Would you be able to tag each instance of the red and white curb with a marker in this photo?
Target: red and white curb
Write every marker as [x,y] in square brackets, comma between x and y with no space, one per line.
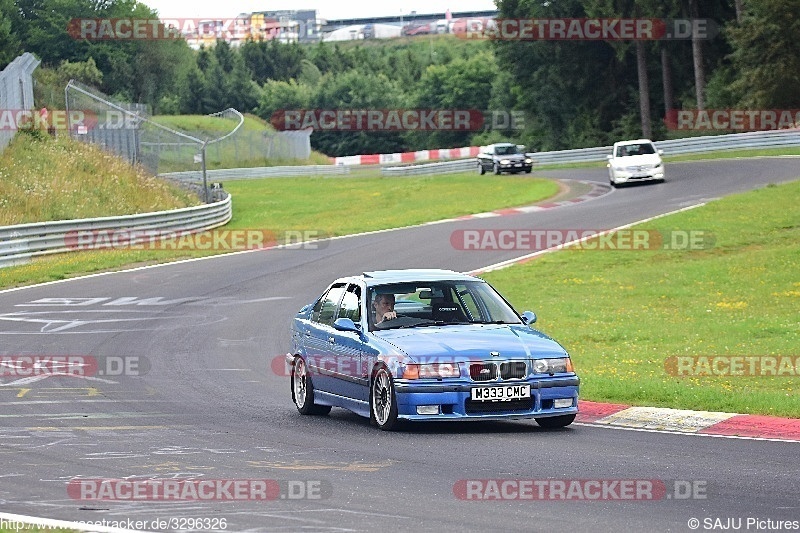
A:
[685,421]
[598,189]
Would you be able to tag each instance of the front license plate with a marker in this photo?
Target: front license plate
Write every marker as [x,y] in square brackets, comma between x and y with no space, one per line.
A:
[504,393]
[518,165]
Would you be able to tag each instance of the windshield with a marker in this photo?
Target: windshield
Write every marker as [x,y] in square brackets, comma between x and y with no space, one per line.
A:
[506,150]
[406,305]
[635,149]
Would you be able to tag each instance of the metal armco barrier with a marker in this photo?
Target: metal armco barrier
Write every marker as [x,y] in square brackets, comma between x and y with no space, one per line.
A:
[691,145]
[446,167]
[260,172]
[21,242]
[16,90]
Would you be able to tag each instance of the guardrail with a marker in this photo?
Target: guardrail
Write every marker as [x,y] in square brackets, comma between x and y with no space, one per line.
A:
[259,172]
[21,242]
[691,145]
[446,167]
[16,91]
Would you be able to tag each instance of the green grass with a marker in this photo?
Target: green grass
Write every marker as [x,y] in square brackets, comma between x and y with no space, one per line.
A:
[244,149]
[59,179]
[728,154]
[340,206]
[329,206]
[621,314]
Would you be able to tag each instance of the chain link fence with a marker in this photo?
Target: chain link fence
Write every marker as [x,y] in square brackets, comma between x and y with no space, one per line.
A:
[16,94]
[128,131]
[177,143]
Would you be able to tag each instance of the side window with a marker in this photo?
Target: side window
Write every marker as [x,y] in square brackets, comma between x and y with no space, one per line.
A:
[351,304]
[325,308]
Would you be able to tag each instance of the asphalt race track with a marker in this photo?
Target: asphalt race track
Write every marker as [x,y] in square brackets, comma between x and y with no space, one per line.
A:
[212,405]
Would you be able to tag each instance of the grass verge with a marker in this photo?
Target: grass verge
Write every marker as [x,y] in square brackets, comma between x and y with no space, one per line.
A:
[246,148]
[329,206]
[622,314]
[60,179]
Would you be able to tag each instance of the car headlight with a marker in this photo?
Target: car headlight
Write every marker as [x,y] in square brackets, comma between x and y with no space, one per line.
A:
[504,161]
[528,161]
[431,370]
[552,366]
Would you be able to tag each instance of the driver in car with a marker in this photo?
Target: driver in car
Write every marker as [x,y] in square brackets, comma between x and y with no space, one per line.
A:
[384,307]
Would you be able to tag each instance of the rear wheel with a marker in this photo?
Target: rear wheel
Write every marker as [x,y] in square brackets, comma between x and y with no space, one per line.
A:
[555,421]
[382,400]
[303,390]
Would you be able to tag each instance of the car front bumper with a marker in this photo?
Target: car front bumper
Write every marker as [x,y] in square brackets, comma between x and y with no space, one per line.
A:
[624,176]
[454,399]
[515,167]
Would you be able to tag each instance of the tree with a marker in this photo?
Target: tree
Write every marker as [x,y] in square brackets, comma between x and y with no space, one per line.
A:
[463,84]
[697,59]
[766,54]
[9,42]
[191,92]
[242,90]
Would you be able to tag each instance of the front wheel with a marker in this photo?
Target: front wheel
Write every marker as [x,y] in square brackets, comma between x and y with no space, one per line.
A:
[303,390]
[383,401]
[550,422]
[496,169]
[481,170]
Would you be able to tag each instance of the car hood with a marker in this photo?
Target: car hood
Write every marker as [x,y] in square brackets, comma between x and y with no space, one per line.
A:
[512,157]
[472,342]
[633,160]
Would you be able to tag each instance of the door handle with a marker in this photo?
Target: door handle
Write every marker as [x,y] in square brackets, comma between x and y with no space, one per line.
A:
[331,340]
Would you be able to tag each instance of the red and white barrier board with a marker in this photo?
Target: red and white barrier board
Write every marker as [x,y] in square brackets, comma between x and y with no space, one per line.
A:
[407,157]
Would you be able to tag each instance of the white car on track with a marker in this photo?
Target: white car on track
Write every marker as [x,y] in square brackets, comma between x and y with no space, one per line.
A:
[637,160]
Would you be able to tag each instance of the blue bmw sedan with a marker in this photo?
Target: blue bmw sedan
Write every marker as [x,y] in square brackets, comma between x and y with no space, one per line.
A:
[417,345]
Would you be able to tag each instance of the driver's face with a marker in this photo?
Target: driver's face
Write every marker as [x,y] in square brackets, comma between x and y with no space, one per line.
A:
[384,304]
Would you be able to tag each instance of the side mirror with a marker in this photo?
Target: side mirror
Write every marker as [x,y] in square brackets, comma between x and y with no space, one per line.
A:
[529,317]
[346,324]
[661,152]
[609,156]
